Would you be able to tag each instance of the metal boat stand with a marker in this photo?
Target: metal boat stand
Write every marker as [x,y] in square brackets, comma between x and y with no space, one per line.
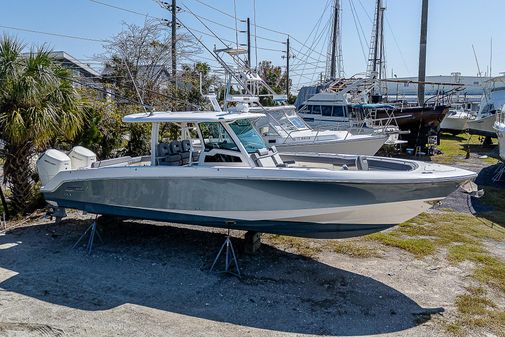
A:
[229,257]
[92,233]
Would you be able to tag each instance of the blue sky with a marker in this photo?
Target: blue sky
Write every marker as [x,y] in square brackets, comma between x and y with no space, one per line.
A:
[454,25]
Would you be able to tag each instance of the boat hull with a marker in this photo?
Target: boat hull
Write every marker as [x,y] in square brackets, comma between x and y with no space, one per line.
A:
[454,124]
[367,145]
[297,208]
[500,132]
[482,126]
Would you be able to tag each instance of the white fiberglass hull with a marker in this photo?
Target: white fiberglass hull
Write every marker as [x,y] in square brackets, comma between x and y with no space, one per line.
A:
[293,201]
[482,126]
[455,122]
[360,145]
[500,132]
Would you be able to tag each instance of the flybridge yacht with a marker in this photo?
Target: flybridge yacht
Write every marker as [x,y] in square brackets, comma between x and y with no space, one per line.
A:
[492,102]
[220,173]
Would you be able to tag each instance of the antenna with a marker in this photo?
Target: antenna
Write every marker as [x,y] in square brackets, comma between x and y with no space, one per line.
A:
[491,59]
[479,74]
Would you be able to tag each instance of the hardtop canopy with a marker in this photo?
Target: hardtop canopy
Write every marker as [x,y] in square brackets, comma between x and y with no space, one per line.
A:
[189,117]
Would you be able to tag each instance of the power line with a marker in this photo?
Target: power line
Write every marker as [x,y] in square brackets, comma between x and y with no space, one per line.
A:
[124,9]
[53,34]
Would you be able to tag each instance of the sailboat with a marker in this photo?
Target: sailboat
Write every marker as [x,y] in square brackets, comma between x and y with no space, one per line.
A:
[319,105]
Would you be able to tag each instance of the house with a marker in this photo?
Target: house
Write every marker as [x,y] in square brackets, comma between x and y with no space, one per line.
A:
[84,74]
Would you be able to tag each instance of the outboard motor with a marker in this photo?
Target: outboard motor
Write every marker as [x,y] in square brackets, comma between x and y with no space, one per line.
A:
[81,157]
[52,162]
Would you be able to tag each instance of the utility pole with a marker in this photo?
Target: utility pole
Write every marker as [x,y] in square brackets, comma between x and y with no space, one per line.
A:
[288,56]
[174,39]
[249,43]
[422,53]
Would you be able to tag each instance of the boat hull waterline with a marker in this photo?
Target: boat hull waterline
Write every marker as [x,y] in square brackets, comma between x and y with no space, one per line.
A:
[317,209]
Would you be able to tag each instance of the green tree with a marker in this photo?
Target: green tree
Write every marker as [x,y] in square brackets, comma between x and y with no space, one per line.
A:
[103,128]
[275,78]
[37,103]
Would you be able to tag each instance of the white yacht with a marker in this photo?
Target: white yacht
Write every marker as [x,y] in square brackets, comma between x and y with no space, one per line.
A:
[283,128]
[499,127]
[220,173]
[492,102]
[456,120]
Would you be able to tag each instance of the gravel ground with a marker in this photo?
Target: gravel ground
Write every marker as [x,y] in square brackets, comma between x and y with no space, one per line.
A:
[150,279]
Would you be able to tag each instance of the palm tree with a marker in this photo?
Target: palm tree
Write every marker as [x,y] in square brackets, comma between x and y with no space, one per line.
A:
[37,104]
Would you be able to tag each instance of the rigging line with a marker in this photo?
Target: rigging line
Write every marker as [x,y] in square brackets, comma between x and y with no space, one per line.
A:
[236,24]
[53,34]
[357,31]
[232,28]
[207,27]
[231,16]
[397,45]
[360,28]
[326,38]
[366,11]
[317,27]
[318,22]
[317,41]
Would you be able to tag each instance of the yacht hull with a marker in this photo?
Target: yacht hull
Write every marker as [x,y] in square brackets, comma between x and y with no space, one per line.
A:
[500,132]
[299,208]
[368,145]
[482,126]
[455,124]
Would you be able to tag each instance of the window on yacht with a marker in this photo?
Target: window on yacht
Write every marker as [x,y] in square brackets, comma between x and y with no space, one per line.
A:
[297,122]
[326,110]
[248,135]
[215,136]
[339,111]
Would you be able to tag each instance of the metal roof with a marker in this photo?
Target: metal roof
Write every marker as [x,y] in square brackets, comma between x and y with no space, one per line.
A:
[188,116]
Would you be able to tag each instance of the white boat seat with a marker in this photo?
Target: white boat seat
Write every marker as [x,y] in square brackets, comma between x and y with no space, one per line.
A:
[263,158]
[361,163]
[276,157]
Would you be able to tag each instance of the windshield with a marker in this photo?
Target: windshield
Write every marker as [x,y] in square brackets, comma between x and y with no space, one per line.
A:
[216,137]
[248,135]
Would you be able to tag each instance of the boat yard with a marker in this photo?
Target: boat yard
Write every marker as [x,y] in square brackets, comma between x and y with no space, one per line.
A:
[211,168]
[150,278]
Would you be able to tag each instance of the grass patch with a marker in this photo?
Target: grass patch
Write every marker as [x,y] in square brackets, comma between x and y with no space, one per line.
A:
[352,248]
[454,149]
[419,247]
[422,235]
[476,311]
[311,248]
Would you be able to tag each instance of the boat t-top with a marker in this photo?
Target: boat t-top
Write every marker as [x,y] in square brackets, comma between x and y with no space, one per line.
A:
[217,171]
[492,102]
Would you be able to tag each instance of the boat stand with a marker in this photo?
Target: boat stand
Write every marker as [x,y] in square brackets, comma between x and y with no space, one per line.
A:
[230,256]
[92,233]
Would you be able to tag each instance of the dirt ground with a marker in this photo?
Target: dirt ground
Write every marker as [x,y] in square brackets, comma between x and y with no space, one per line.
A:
[153,279]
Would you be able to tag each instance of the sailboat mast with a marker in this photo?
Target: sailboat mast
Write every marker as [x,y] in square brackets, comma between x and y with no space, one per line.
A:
[422,53]
[376,42]
[333,65]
